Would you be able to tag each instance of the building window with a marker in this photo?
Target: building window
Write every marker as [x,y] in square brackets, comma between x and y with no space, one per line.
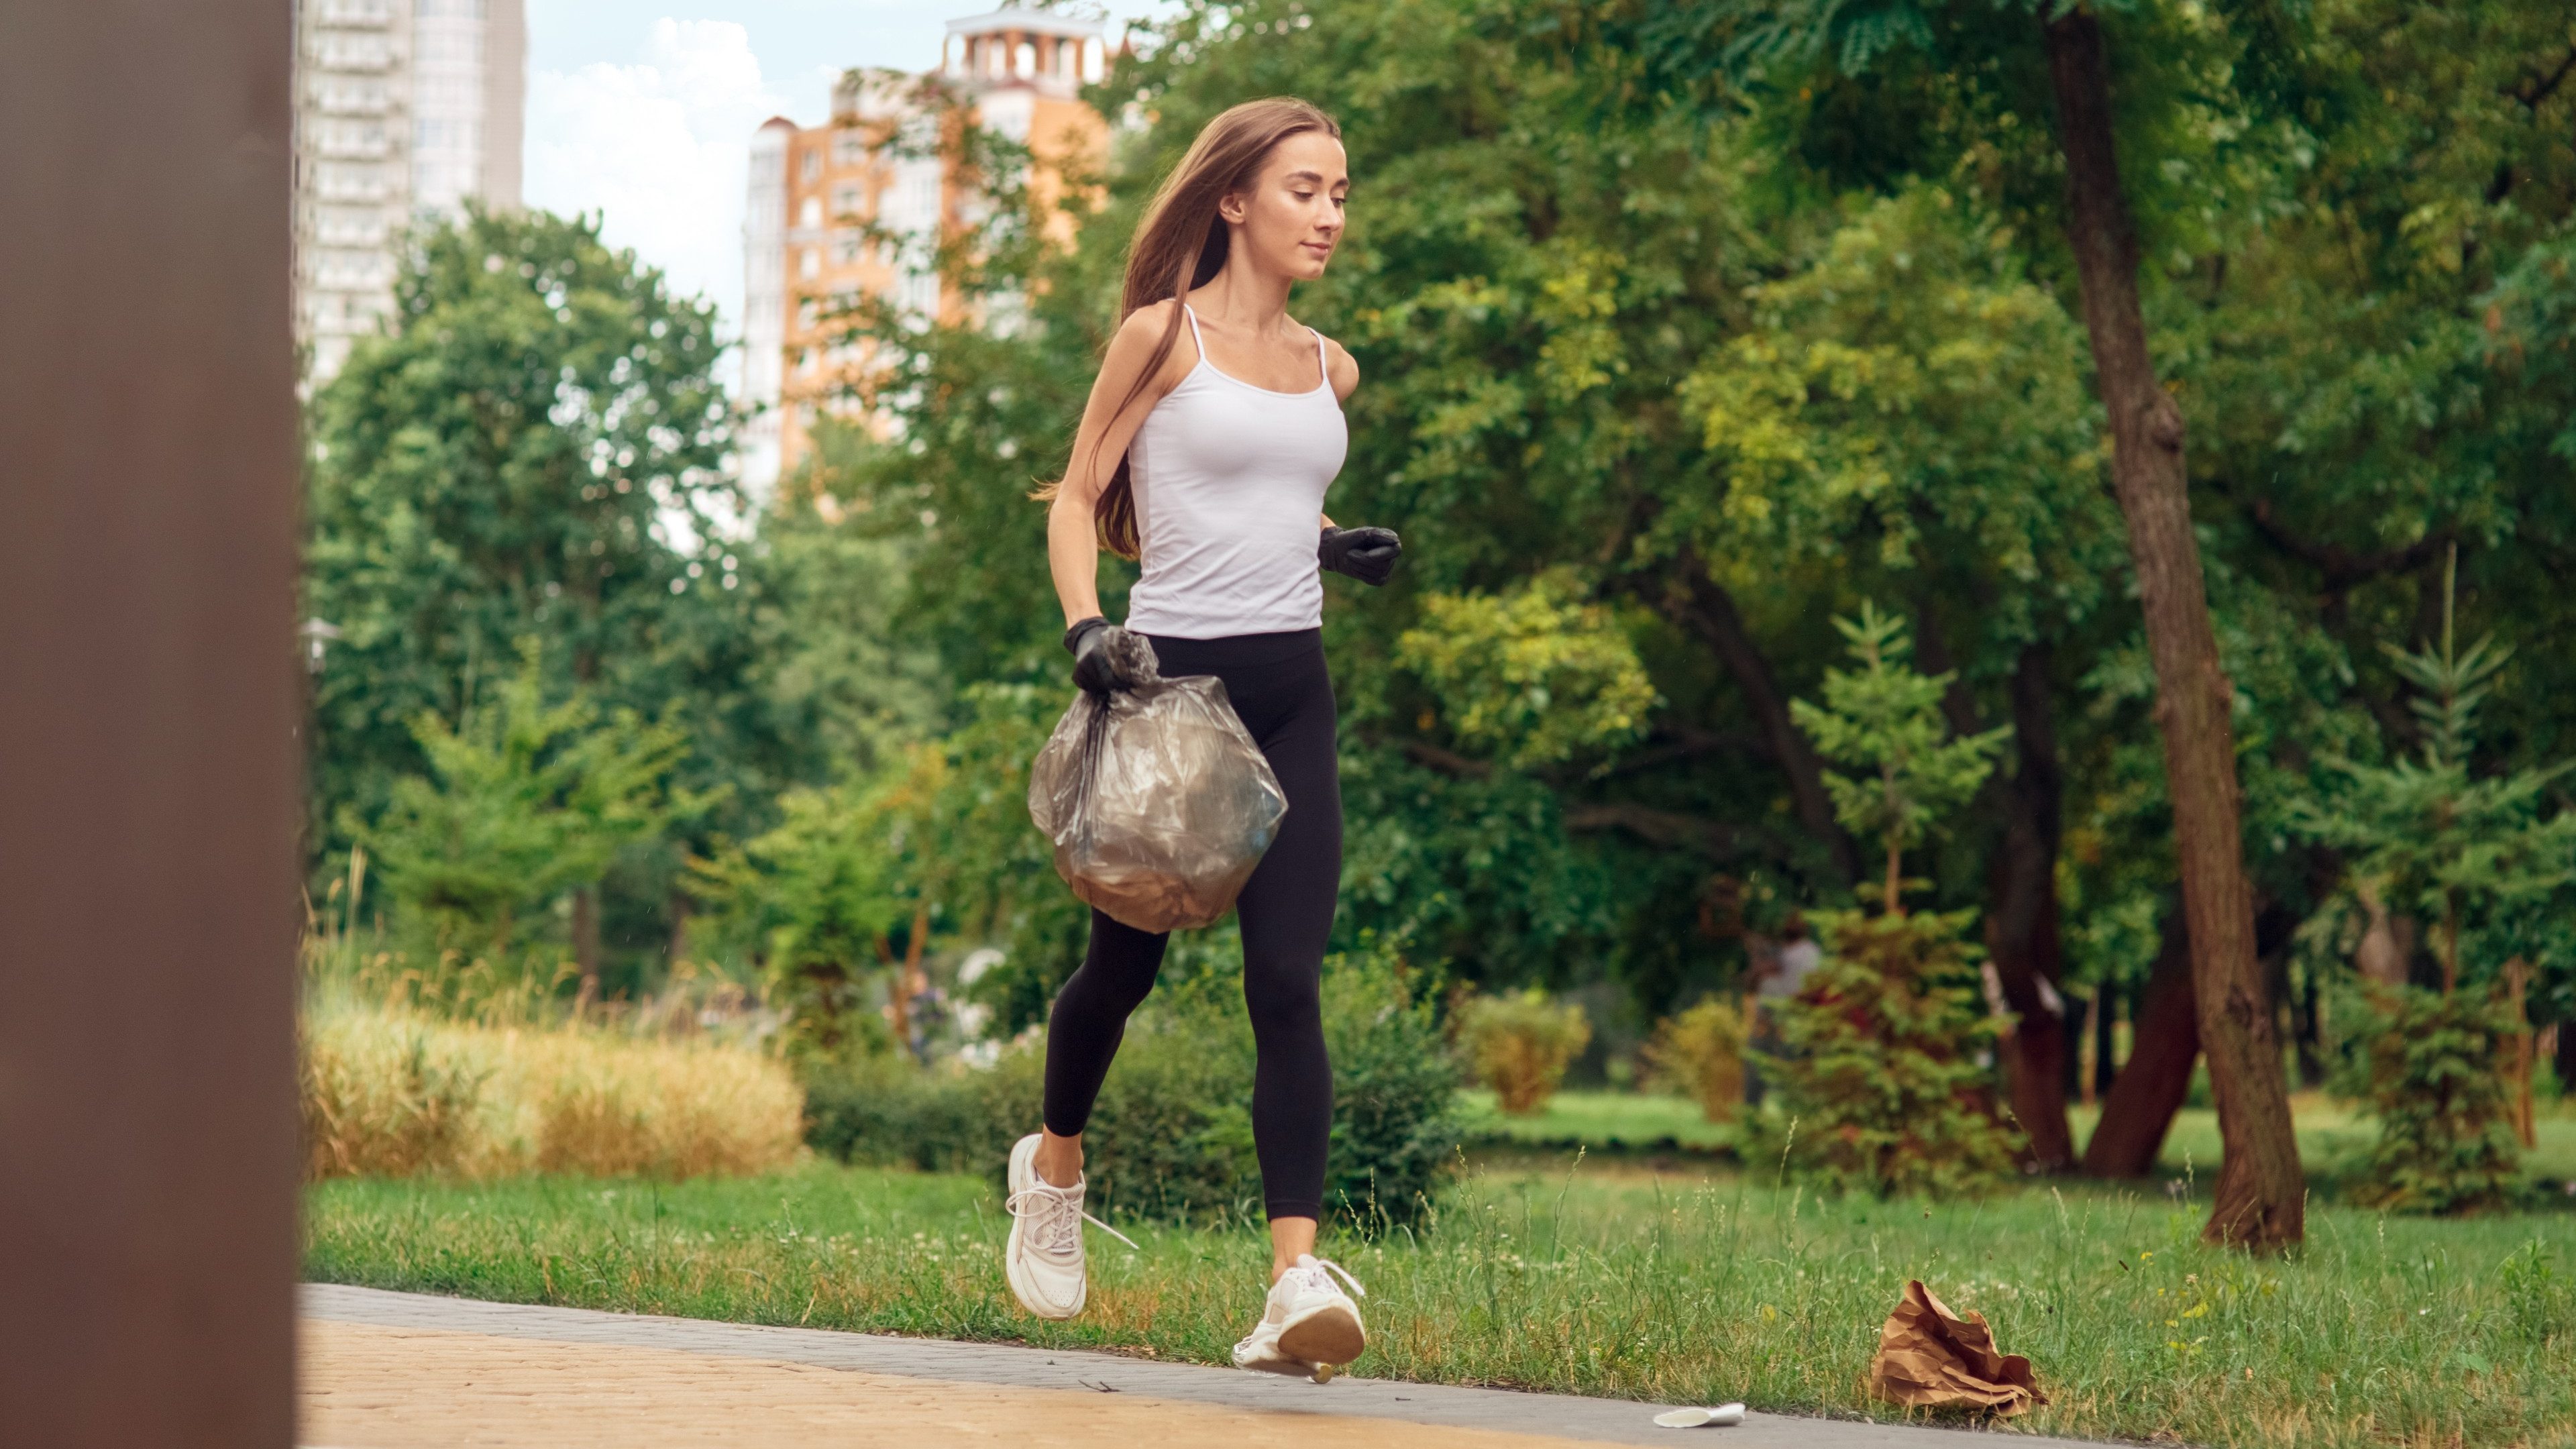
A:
[811,213]
[849,148]
[813,163]
[845,200]
[845,249]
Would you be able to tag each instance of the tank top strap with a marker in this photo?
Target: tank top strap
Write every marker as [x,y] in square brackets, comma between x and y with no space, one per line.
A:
[1323,365]
[1195,339]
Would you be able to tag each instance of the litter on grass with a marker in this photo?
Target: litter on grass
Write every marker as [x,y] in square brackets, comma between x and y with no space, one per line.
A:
[1724,1416]
[1931,1358]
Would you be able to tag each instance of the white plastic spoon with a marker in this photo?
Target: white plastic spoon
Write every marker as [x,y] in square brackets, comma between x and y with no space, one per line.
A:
[1724,1416]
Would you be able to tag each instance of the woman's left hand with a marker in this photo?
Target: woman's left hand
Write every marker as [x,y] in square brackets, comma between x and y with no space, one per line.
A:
[1366,554]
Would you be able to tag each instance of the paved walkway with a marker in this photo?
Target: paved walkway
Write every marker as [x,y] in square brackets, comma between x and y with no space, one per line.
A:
[410,1371]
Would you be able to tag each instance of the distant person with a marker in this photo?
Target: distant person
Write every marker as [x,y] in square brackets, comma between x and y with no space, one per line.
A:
[1780,971]
[1211,435]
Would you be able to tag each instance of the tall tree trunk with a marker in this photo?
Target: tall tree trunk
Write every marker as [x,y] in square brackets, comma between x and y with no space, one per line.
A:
[2106,1039]
[679,907]
[585,940]
[1708,610]
[2021,919]
[2139,1105]
[2261,1197]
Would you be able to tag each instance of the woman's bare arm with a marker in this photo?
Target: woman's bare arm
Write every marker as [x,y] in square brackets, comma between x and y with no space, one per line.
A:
[1073,541]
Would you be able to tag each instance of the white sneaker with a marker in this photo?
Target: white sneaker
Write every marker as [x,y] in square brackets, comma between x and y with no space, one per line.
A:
[1309,1326]
[1043,1259]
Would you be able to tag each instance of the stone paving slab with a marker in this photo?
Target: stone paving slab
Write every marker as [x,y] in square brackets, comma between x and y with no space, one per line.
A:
[1099,1375]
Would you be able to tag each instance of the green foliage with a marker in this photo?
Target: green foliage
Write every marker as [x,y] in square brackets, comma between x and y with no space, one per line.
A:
[524,801]
[1533,676]
[1520,1043]
[2477,860]
[815,895]
[2476,857]
[1171,1134]
[2429,1070]
[1885,718]
[936,842]
[1880,1085]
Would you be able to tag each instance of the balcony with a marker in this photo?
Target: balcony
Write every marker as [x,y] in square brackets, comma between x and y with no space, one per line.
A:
[351,12]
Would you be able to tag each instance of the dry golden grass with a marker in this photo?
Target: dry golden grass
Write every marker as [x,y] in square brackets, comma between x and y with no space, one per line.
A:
[392,1094]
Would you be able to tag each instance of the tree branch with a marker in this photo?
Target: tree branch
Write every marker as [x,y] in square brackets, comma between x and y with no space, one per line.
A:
[1695,601]
[1659,827]
[1447,762]
[2541,88]
[2342,567]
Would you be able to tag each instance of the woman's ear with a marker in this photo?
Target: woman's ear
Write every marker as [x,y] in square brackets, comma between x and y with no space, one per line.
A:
[1233,207]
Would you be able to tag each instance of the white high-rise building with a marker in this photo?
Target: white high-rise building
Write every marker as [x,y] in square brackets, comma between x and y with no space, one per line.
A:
[404,110]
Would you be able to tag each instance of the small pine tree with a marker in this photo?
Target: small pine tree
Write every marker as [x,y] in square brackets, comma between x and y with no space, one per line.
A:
[1882,1081]
[1885,719]
[2477,861]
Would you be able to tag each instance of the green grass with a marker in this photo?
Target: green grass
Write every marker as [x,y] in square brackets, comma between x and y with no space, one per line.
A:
[1605,1280]
[1617,1121]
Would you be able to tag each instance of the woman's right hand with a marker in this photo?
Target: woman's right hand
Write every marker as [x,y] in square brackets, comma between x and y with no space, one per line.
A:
[1095,665]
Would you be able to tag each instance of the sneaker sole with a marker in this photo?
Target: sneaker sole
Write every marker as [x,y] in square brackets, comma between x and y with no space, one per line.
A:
[1328,1336]
[1292,1368]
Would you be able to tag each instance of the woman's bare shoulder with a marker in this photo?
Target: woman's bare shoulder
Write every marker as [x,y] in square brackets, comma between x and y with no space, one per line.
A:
[1142,334]
[1340,368]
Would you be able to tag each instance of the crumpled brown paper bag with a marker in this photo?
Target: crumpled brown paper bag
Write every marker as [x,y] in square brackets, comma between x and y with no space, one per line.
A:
[1929,1357]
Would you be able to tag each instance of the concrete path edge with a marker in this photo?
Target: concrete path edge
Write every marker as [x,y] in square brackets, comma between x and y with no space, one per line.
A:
[1604,1421]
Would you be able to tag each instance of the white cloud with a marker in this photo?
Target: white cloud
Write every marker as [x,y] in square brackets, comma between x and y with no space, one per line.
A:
[659,147]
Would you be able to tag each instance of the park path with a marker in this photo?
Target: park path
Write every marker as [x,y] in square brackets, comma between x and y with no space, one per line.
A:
[411,1371]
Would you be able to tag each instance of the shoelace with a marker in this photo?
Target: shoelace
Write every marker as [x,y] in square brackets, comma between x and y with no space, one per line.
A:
[1317,1272]
[1060,1230]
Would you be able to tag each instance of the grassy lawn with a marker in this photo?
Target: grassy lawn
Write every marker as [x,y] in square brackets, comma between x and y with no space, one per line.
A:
[1690,1287]
[1618,1121]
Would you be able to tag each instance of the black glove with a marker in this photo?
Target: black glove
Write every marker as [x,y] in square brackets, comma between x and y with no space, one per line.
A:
[1366,554]
[1093,669]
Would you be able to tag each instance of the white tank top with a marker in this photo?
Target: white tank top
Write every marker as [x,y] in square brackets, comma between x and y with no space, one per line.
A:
[1229,481]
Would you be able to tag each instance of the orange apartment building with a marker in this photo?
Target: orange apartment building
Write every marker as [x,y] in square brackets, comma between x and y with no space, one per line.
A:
[879,163]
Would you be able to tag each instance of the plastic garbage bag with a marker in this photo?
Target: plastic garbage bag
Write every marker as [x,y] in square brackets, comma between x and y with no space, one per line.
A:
[1157,801]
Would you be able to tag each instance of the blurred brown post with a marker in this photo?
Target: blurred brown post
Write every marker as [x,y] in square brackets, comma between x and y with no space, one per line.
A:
[148,715]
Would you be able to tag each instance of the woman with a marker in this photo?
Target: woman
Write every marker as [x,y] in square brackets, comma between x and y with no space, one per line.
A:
[1211,434]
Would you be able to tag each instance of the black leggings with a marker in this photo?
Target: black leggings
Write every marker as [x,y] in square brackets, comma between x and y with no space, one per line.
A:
[1279,688]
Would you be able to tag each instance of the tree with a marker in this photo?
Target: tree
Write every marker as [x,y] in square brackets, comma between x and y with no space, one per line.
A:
[535,450]
[1959,69]
[2490,871]
[524,801]
[1882,1080]
[1886,718]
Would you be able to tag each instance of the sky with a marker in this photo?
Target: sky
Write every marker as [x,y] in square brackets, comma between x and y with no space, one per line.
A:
[644,113]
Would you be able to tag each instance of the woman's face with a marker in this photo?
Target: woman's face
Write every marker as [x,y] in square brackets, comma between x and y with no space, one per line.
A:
[1291,218]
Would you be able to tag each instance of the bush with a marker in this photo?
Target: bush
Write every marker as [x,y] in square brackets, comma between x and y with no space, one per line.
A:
[2428,1071]
[1520,1044]
[1700,1055]
[1880,1078]
[388,1094]
[1171,1134]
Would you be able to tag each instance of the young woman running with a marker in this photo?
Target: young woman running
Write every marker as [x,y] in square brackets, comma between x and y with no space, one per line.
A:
[1212,432]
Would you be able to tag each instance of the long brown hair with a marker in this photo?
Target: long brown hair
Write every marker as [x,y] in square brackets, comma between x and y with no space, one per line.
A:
[1181,246]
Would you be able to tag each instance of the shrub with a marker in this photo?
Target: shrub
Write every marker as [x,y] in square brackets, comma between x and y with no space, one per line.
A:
[1880,1079]
[388,1094]
[1700,1055]
[383,1107]
[1171,1134]
[2428,1071]
[1520,1043]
